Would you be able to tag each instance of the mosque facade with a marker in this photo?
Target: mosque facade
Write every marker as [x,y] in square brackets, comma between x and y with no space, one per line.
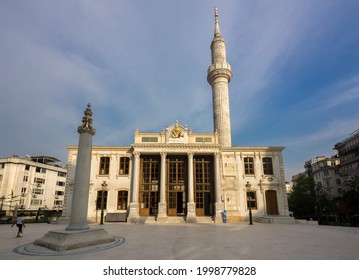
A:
[178,175]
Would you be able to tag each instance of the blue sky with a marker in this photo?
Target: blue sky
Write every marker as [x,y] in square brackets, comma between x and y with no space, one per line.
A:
[143,64]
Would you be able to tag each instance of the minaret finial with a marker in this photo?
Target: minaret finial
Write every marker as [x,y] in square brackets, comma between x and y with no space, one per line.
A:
[217,32]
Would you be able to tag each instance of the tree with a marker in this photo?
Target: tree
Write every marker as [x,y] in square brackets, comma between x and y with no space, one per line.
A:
[308,199]
[301,200]
[349,203]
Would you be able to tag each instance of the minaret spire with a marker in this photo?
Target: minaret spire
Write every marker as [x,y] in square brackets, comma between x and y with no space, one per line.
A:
[217,31]
[219,75]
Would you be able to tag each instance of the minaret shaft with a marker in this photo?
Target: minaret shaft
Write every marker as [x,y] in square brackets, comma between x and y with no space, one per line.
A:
[219,75]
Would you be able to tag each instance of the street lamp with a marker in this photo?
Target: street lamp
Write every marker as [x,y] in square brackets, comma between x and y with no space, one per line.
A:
[248,185]
[104,185]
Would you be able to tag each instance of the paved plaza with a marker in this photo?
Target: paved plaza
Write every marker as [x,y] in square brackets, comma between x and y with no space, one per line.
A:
[231,241]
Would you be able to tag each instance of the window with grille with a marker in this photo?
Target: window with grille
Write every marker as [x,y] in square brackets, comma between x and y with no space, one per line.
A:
[252,200]
[104,166]
[267,166]
[124,165]
[122,200]
[248,166]
[99,200]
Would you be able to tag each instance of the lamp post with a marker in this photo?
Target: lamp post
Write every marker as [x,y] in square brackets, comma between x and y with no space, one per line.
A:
[248,185]
[104,185]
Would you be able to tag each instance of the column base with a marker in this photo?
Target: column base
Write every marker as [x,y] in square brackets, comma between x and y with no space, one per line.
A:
[134,213]
[64,240]
[191,212]
[162,213]
[218,208]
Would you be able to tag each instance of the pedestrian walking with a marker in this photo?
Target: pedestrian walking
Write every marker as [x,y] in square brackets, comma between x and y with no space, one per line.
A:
[20,223]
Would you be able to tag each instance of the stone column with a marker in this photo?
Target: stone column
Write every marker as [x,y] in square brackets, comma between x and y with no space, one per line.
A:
[219,206]
[78,220]
[191,205]
[134,212]
[162,206]
[78,234]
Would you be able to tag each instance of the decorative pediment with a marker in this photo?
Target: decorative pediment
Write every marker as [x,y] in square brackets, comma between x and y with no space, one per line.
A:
[176,133]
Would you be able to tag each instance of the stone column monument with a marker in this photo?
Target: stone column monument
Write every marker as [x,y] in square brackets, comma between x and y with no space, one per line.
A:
[78,234]
[78,219]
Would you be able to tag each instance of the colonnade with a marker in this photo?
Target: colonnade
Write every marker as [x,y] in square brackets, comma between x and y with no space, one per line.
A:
[162,205]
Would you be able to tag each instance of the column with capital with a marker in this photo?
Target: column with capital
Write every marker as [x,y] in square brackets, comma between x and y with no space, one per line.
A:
[162,205]
[134,213]
[219,206]
[78,234]
[191,205]
[78,220]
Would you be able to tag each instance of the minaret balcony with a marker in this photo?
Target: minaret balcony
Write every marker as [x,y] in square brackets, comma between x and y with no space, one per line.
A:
[221,69]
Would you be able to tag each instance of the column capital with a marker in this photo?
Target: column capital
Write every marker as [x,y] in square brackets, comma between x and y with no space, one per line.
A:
[163,154]
[86,125]
[217,155]
[190,155]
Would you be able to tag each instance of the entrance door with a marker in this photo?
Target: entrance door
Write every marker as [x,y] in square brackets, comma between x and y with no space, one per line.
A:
[176,185]
[149,204]
[271,201]
[149,185]
[203,185]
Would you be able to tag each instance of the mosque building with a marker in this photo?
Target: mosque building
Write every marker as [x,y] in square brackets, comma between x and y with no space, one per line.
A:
[178,175]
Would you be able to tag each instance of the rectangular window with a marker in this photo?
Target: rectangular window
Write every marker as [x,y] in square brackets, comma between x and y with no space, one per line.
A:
[59,183]
[122,200]
[2,165]
[25,179]
[104,166]
[36,201]
[61,174]
[124,165]
[27,167]
[40,170]
[248,166]
[39,181]
[101,201]
[59,193]
[267,166]
[37,191]
[251,200]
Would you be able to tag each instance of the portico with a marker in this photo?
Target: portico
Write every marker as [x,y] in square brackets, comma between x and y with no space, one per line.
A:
[175,180]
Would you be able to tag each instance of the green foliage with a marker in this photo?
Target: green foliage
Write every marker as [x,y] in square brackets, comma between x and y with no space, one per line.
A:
[311,201]
[348,206]
[301,200]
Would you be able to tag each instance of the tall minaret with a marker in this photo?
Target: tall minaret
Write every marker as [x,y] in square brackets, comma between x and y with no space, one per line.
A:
[219,75]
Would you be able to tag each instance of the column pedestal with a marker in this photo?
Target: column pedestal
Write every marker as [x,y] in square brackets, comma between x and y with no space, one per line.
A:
[191,212]
[134,212]
[162,212]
